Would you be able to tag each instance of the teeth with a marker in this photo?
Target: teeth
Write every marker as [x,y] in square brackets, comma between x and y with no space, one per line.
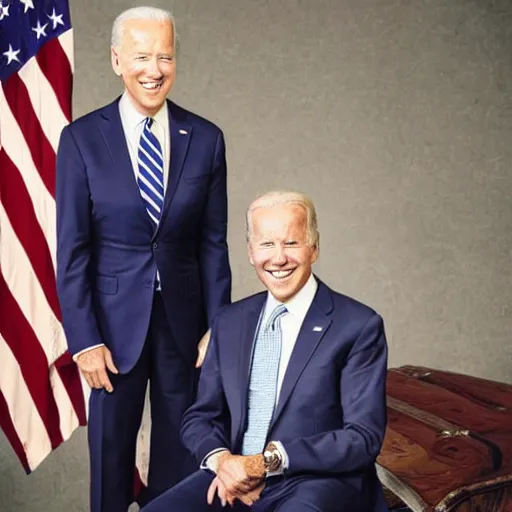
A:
[280,274]
[150,85]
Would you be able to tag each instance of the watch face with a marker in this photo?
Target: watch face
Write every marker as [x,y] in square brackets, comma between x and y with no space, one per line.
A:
[272,458]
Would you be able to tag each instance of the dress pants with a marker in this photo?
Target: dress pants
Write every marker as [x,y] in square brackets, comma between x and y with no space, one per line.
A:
[114,421]
[295,494]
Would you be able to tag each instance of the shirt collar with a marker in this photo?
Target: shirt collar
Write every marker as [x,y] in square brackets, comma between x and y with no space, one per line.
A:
[299,304]
[162,117]
[133,117]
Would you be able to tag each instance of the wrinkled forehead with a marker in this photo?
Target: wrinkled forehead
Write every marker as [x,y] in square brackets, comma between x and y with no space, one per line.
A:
[142,31]
[278,221]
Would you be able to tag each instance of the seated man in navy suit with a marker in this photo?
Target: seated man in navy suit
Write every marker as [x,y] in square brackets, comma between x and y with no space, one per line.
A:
[291,409]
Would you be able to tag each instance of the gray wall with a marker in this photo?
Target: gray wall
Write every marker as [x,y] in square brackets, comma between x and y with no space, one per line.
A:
[395,116]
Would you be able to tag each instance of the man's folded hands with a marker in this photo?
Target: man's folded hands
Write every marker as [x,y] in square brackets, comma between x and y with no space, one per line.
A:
[238,477]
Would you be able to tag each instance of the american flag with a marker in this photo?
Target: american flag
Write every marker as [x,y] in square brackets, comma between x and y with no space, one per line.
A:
[41,392]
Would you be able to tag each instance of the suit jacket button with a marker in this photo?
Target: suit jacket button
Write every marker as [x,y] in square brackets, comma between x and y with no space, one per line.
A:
[155,245]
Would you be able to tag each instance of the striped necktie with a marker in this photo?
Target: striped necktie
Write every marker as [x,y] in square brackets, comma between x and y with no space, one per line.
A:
[151,172]
[263,382]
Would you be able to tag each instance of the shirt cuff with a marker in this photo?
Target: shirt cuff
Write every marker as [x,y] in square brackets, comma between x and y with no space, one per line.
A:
[87,350]
[284,464]
[211,460]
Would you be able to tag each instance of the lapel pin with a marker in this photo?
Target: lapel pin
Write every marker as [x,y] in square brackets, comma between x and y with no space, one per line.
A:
[317,329]
[183,132]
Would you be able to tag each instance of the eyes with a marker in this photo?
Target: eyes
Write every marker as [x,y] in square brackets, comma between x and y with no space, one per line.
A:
[145,58]
[270,244]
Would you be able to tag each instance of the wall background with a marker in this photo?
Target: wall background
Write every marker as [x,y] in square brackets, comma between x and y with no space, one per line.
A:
[395,116]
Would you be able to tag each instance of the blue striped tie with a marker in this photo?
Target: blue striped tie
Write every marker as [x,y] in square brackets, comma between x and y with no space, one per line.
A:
[263,382]
[151,172]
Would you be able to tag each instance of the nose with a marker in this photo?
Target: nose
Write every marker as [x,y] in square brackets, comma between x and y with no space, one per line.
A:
[279,255]
[154,68]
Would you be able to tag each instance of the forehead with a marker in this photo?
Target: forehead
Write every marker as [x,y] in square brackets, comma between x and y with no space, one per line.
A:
[141,32]
[279,220]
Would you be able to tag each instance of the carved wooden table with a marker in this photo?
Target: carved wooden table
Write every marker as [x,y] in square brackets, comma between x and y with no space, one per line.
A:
[448,445]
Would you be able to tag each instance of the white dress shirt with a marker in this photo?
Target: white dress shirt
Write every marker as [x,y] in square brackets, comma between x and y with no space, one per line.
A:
[133,123]
[291,322]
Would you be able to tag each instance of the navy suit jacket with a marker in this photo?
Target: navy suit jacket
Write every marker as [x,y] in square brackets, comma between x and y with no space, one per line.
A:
[108,249]
[331,412]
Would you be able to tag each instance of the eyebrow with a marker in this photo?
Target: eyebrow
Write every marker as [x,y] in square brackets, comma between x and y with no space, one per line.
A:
[146,54]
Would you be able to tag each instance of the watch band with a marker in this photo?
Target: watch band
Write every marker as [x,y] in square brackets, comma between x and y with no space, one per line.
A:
[272,458]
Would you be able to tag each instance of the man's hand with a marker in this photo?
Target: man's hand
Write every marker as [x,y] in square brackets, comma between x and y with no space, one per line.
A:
[252,496]
[217,486]
[240,474]
[93,365]
[202,347]
[248,498]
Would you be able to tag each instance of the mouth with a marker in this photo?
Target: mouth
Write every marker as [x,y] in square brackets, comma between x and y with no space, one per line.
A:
[152,86]
[280,274]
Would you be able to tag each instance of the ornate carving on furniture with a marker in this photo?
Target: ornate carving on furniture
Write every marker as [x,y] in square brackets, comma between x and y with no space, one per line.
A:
[448,445]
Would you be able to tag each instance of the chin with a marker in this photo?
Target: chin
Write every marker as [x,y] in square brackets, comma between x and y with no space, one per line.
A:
[153,107]
[281,295]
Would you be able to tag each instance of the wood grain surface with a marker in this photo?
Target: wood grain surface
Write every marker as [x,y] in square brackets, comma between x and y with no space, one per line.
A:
[448,441]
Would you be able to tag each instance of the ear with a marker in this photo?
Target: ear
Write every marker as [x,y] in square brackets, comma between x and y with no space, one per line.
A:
[249,252]
[116,65]
[316,250]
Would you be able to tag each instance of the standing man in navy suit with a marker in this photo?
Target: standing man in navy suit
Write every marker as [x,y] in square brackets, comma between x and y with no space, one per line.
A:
[291,408]
[142,259]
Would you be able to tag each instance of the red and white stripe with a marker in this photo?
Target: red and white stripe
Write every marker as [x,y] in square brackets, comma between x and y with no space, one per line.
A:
[42,397]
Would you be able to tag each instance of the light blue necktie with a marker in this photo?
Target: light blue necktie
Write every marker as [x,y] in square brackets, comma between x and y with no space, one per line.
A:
[151,172]
[263,382]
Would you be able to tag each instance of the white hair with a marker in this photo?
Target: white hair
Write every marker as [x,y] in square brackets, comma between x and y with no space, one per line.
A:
[141,13]
[279,197]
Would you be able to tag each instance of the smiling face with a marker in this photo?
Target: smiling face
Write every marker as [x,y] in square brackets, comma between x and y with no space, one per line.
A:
[146,62]
[280,250]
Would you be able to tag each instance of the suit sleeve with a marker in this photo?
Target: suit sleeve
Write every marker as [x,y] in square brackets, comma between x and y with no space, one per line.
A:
[203,425]
[214,260]
[74,246]
[363,400]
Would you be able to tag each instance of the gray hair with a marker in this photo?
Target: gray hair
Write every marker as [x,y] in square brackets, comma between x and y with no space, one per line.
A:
[141,13]
[278,197]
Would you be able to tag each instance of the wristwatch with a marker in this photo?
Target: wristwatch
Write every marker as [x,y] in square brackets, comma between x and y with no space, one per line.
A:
[272,458]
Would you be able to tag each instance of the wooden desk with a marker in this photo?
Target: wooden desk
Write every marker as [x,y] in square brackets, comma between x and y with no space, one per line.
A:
[448,445]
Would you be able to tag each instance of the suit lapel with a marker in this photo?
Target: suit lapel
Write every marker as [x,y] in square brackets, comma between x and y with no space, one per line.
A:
[181,133]
[313,330]
[249,325]
[112,132]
